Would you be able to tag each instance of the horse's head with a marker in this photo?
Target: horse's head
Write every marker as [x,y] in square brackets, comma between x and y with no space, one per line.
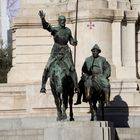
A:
[92,87]
[88,87]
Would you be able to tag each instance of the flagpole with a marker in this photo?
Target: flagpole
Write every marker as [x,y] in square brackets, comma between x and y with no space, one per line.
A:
[75,35]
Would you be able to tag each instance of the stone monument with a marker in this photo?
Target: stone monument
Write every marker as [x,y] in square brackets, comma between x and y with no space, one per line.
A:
[113,24]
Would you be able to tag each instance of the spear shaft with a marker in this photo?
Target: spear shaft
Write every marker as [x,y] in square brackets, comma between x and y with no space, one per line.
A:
[75,35]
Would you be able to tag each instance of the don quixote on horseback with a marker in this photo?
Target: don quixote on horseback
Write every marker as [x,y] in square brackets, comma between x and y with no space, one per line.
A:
[60,67]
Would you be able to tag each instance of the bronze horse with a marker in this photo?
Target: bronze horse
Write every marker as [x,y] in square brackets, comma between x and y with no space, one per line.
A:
[62,89]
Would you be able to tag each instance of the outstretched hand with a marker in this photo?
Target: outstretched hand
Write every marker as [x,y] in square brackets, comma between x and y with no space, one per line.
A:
[41,14]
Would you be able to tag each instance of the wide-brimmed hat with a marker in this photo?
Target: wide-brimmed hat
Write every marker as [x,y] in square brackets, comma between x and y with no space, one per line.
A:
[96,47]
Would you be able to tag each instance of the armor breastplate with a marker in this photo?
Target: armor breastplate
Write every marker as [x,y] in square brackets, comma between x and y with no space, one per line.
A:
[61,37]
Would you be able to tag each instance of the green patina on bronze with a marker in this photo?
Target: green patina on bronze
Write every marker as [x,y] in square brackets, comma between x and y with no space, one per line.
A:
[60,67]
[95,73]
[98,67]
[61,51]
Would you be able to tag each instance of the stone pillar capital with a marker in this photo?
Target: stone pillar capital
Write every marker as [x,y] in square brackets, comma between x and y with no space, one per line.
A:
[131,16]
[118,15]
[105,15]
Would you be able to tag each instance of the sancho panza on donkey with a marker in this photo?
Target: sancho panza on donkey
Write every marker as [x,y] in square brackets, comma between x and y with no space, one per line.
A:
[60,67]
[95,73]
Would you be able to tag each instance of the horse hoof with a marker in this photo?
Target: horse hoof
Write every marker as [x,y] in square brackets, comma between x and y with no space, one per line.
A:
[91,119]
[42,90]
[59,119]
[71,119]
[95,118]
[64,116]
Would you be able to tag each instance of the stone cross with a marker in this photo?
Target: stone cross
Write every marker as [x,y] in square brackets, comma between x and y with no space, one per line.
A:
[90,25]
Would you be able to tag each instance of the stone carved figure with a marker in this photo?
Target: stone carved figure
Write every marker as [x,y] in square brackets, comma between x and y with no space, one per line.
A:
[95,73]
[60,67]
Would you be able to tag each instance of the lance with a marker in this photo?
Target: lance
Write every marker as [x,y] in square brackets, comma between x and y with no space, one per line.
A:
[75,35]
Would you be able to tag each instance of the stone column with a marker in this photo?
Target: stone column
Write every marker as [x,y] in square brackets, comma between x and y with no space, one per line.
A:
[135,5]
[129,45]
[116,38]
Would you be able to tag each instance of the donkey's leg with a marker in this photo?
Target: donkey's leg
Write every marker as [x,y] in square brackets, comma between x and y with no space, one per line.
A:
[107,95]
[89,97]
[102,108]
[93,109]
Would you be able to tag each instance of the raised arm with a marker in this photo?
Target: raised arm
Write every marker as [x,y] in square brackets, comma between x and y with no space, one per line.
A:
[45,24]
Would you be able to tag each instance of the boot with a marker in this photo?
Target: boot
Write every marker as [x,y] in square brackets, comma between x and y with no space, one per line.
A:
[79,95]
[44,81]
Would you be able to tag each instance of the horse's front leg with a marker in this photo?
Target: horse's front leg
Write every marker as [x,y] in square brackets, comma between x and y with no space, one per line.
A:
[63,109]
[59,111]
[58,103]
[64,105]
[71,109]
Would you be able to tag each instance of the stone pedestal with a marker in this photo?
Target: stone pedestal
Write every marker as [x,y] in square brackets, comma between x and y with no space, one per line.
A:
[21,100]
[79,131]
[40,128]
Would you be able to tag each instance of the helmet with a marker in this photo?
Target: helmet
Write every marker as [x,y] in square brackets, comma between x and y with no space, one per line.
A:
[96,47]
[61,17]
